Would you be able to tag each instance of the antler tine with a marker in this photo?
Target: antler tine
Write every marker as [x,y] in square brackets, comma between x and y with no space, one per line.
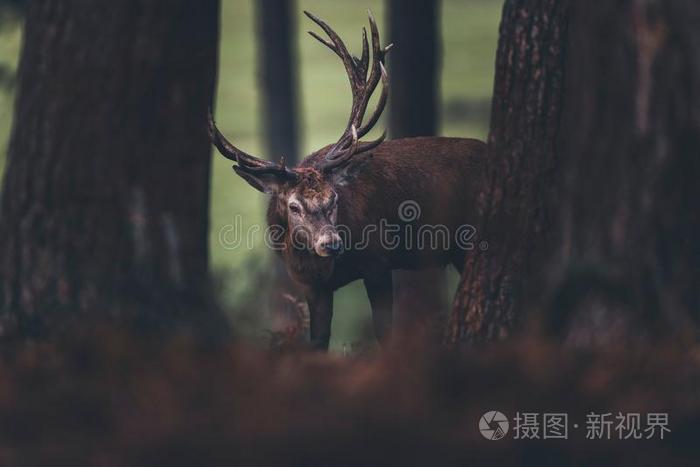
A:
[245,161]
[364,61]
[323,41]
[228,150]
[380,105]
[267,167]
[350,149]
[338,46]
[378,73]
[274,169]
[368,145]
[362,87]
[343,157]
[378,54]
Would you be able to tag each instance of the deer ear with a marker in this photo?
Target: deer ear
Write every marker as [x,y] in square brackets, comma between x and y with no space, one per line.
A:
[266,183]
[350,171]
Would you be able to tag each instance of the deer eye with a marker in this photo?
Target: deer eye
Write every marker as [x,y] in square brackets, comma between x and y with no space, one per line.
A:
[295,208]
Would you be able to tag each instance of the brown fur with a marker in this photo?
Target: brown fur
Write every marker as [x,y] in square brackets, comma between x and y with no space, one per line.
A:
[440,174]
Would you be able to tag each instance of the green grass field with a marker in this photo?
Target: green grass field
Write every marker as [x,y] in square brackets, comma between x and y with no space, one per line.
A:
[470,29]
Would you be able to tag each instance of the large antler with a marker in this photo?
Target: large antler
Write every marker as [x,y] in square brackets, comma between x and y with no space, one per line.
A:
[245,161]
[362,89]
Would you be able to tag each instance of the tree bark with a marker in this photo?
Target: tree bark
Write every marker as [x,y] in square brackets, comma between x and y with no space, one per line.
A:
[516,200]
[104,207]
[277,72]
[414,28]
[628,265]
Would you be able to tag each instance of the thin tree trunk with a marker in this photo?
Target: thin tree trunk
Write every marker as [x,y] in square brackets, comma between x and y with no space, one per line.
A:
[277,58]
[277,72]
[105,198]
[414,28]
[628,266]
[516,201]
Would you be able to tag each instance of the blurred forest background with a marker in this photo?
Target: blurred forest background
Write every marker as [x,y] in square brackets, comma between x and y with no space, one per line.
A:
[469,39]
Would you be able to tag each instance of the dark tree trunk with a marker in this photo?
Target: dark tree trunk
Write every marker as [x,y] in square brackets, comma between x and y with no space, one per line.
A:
[105,199]
[629,261]
[414,28]
[277,58]
[516,200]
[277,73]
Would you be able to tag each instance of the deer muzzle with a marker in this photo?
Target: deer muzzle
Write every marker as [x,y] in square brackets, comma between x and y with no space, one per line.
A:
[329,244]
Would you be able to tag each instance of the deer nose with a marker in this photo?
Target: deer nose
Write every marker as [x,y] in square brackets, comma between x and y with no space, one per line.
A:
[330,247]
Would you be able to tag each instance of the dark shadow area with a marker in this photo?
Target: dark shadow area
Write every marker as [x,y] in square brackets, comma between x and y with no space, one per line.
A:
[8,78]
[104,397]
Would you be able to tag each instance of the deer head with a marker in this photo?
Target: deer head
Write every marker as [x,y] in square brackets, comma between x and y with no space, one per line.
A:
[305,197]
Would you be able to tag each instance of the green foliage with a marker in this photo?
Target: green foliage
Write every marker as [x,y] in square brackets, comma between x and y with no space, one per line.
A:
[10,38]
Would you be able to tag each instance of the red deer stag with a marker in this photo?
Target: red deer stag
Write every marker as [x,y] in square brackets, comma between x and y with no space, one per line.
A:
[340,211]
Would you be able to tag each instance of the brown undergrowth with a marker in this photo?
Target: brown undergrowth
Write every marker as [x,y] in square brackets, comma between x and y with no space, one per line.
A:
[108,398]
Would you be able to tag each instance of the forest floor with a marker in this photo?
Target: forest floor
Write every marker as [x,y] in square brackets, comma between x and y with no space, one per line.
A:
[113,399]
[470,30]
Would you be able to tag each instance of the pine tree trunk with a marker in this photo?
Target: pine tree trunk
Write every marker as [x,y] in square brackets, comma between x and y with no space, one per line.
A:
[105,198]
[516,201]
[414,28]
[628,265]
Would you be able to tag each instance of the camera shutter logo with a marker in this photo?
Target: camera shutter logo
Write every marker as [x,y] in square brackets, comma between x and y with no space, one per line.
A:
[493,425]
